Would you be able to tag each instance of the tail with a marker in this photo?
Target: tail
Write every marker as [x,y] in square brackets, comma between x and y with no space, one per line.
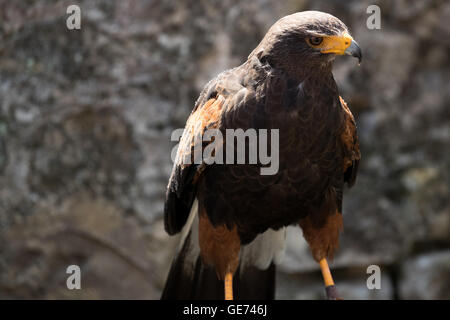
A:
[190,279]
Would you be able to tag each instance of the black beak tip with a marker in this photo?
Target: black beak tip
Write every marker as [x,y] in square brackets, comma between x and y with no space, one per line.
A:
[355,51]
[358,55]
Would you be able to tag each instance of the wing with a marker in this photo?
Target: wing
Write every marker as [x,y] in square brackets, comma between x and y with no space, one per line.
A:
[181,189]
[189,165]
[349,138]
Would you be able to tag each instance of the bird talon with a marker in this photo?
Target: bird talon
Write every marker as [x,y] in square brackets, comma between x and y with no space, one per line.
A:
[332,293]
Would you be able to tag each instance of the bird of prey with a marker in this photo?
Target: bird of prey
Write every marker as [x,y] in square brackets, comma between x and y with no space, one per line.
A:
[232,218]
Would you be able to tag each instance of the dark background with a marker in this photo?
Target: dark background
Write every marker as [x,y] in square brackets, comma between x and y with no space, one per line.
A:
[85,123]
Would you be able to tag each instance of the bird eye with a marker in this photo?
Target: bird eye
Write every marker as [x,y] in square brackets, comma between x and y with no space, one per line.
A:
[315,41]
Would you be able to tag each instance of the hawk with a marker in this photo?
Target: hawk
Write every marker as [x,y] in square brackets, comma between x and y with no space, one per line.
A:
[232,218]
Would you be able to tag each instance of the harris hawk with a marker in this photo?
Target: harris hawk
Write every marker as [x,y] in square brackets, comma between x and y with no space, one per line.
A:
[232,219]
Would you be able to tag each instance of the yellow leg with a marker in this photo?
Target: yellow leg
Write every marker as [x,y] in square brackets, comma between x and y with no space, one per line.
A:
[228,286]
[330,288]
[327,278]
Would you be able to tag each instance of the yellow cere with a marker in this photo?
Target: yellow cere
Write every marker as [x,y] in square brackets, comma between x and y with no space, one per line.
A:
[335,44]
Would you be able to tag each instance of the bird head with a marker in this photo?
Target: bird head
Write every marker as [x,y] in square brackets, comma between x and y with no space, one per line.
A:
[306,39]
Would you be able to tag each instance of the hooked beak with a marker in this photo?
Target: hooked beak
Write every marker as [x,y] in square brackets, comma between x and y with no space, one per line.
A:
[354,50]
[341,44]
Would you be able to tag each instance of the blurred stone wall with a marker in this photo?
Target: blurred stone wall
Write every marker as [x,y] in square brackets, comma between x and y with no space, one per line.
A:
[85,124]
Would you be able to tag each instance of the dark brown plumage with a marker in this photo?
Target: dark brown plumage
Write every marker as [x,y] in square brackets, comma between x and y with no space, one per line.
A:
[285,84]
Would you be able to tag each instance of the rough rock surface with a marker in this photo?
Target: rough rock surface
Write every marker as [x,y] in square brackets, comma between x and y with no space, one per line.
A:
[85,123]
[434,279]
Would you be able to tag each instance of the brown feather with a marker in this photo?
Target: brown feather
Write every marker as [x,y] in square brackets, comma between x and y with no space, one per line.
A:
[219,246]
[321,230]
[349,138]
